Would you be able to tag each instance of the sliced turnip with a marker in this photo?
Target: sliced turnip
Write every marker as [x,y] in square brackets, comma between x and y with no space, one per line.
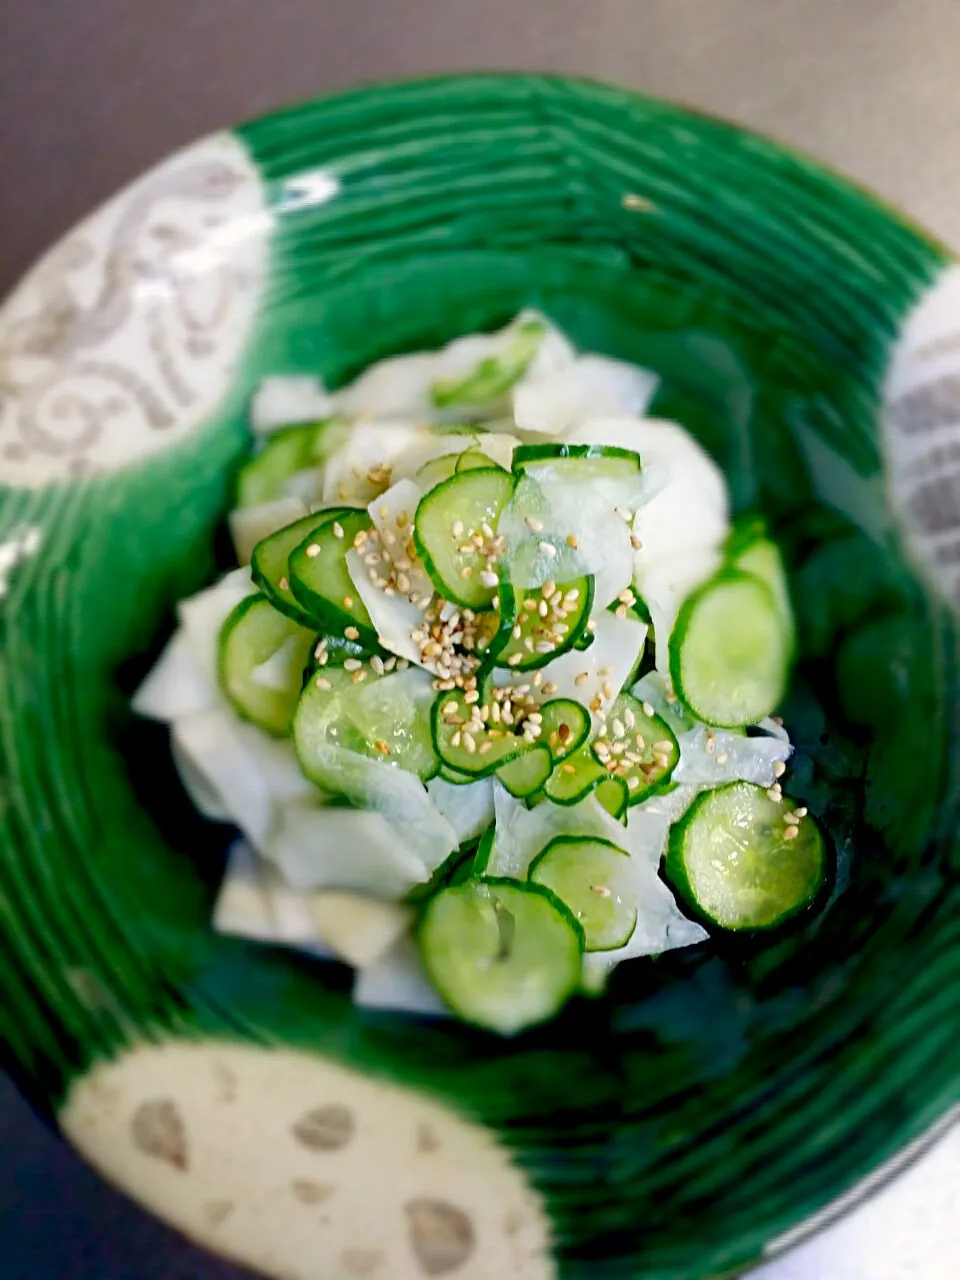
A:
[243,906]
[467,807]
[394,617]
[395,793]
[397,980]
[201,617]
[213,741]
[393,516]
[357,927]
[362,468]
[664,582]
[321,847]
[204,796]
[590,386]
[176,685]
[286,399]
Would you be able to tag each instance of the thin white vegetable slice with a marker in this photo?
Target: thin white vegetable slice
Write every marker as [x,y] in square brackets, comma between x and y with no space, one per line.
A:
[363,468]
[395,793]
[590,386]
[204,796]
[214,742]
[663,583]
[176,685]
[201,617]
[393,617]
[397,980]
[467,807]
[249,525]
[393,515]
[285,399]
[306,486]
[357,927]
[323,847]
[243,906]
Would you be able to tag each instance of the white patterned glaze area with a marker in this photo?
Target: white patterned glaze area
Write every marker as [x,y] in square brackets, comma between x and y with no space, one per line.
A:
[125,337]
[921,425]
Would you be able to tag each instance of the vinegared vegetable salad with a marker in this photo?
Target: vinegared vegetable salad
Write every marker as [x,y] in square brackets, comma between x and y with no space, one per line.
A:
[492,696]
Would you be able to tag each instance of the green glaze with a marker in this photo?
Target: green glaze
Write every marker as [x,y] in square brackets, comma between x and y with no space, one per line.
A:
[717,1095]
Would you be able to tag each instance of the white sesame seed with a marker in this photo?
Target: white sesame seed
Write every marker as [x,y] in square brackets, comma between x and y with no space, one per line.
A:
[607,689]
[323,683]
[358,677]
[284,584]
[488,578]
[722,758]
[337,529]
[545,646]
[534,525]
[548,549]
[528,644]
[549,687]
[636,543]
[543,608]
[633,782]
[618,729]
[648,709]
[457,528]
[348,602]
[470,743]
[624,514]
[581,679]
[486,530]
[605,671]
[779,769]
[621,611]
[389,664]
[352,664]
[485,747]
[466,572]
[456,739]
[791,833]
[403,664]
[774,795]
[514,659]
[313,550]
[591,625]
[629,719]
[517,632]
[472,697]
[351,633]
[376,663]
[801,812]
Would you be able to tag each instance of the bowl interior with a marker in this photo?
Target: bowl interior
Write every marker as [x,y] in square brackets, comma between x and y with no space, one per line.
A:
[718,1094]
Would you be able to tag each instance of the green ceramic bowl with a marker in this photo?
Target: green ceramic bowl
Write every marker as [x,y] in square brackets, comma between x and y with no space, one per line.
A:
[720,1095]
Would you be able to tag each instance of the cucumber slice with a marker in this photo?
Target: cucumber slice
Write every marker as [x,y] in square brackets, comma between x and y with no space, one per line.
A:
[287,451]
[502,955]
[575,778]
[262,657]
[476,752]
[448,519]
[580,463]
[474,460]
[729,652]
[642,748]
[541,623]
[320,579]
[761,557]
[525,775]
[270,568]
[383,717]
[595,880]
[565,727]
[733,859]
[612,795]
[454,776]
[493,377]
[437,470]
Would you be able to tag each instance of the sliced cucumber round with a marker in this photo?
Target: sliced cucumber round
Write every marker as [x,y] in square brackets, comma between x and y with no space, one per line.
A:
[525,774]
[584,462]
[464,751]
[744,860]
[287,451]
[729,651]
[565,727]
[492,378]
[474,460]
[449,518]
[540,624]
[502,955]
[611,794]
[384,717]
[575,777]
[320,579]
[594,879]
[262,657]
[436,470]
[639,748]
[270,567]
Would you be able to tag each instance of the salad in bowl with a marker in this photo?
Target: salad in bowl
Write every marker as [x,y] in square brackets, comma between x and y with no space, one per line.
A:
[492,694]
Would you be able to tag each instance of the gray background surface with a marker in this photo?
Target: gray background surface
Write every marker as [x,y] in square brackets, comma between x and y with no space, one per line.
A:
[92,91]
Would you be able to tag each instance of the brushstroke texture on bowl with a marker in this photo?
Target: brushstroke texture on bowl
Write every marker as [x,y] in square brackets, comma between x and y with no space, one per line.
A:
[811,339]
